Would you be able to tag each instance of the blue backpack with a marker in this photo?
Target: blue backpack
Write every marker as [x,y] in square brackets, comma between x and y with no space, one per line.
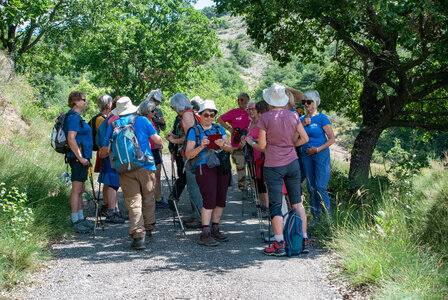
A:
[126,152]
[292,232]
[101,132]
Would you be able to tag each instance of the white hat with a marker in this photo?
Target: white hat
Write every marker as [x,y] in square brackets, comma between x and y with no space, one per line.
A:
[157,94]
[207,104]
[275,95]
[198,99]
[124,107]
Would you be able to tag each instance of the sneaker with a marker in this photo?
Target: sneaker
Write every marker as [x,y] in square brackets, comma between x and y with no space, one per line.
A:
[138,244]
[88,223]
[218,235]
[276,249]
[104,210]
[79,227]
[304,243]
[162,204]
[206,239]
[115,219]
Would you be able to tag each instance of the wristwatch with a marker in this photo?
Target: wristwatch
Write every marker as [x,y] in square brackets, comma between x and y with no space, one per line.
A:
[254,143]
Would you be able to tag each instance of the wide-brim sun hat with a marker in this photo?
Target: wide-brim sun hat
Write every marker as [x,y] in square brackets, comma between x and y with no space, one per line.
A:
[124,107]
[276,95]
[157,94]
[207,104]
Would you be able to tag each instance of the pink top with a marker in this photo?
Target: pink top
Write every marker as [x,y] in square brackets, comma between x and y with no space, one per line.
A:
[253,133]
[236,118]
[280,127]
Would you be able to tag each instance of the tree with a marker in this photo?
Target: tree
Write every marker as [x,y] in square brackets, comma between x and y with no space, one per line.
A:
[390,66]
[145,45]
[23,24]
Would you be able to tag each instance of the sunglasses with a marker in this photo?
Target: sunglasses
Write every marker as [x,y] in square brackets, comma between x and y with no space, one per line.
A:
[241,99]
[83,99]
[252,108]
[206,115]
[153,110]
[307,102]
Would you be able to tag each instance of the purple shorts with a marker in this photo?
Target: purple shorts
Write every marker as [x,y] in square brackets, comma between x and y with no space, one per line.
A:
[213,186]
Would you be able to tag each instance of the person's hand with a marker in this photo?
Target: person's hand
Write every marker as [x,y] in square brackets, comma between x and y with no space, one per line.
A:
[311,150]
[243,141]
[205,142]
[306,121]
[85,162]
[162,120]
[249,140]
[219,142]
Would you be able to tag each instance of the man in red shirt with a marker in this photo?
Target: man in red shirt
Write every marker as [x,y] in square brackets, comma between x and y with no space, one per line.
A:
[236,121]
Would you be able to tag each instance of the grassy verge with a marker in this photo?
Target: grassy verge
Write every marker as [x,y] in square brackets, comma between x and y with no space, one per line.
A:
[34,202]
[392,239]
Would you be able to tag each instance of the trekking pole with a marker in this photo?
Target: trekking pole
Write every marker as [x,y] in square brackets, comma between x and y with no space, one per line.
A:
[174,201]
[98,220]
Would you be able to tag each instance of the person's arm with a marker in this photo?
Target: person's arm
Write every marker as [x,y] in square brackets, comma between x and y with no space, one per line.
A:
[225,125]
[262,140]
[157,140]
[253,143]
[161,120]
[224,144]
[330,141]
[71,139]
[104,152]
[303,136]
[191,151]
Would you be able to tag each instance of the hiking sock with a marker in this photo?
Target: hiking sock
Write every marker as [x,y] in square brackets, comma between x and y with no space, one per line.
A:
[205,228]
[278,238]
[80,214]
[75,217]
[111,212]
[215,225]
[305,236]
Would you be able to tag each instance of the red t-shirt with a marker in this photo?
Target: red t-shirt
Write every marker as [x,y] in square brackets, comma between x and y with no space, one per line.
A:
[236,118]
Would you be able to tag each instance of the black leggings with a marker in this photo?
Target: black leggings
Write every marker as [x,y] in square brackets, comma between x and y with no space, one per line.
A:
[181,180]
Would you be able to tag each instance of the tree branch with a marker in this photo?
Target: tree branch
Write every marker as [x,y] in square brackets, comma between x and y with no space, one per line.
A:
[425,52]
[428,77]
[418,124]
[423,113]
[431,88]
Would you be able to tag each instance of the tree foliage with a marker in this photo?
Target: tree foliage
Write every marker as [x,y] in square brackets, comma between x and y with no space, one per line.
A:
[390,65]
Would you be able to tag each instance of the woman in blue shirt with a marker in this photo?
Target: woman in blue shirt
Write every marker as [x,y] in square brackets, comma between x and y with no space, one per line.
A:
[79,138]
[212,184]
[316,153]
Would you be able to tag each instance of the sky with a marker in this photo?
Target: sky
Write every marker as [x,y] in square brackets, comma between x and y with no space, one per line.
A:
[203,3]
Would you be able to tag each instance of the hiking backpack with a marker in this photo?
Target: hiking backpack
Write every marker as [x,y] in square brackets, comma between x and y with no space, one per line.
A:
[101,132]
[292,233]
[92,124]
[126,151]
[58,136]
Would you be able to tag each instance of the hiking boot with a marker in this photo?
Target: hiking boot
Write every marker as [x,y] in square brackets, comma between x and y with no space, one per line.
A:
[304,243]
[79,227]
[218,235]
[138,244]
[193,224]
[206,239]
[276,249]
[115,219]
[88,223]
[162,204]
[148,236]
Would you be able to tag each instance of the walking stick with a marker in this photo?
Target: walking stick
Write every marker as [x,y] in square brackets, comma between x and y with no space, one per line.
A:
[98,204]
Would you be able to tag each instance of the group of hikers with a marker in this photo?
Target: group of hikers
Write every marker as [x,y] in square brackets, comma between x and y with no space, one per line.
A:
[284,147]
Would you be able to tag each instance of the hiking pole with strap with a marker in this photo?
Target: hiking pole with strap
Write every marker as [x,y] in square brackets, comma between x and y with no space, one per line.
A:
[174,201]
[98,220]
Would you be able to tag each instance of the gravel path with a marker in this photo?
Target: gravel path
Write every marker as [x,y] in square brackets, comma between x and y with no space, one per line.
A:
[174,266]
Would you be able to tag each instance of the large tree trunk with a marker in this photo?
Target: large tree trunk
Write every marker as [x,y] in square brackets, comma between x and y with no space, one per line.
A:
[362,152]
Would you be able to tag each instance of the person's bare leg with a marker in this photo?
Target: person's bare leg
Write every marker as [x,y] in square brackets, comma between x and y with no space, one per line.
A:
[301,211]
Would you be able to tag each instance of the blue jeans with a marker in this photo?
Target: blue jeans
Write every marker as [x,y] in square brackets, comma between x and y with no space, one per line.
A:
[317,170]
[194,193]
[274,177]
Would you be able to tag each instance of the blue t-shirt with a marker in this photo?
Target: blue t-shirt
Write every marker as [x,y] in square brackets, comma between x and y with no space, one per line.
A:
[143,130]
[192,137]
[83,134]
[315,131]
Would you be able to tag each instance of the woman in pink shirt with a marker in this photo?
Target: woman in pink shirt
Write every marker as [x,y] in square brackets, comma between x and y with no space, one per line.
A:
[278,138]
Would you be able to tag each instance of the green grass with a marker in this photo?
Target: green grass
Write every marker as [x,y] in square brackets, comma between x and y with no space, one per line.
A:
[29,163]
[394,245]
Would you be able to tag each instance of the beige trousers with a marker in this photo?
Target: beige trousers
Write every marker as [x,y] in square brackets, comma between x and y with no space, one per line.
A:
[238,160]
[138,192]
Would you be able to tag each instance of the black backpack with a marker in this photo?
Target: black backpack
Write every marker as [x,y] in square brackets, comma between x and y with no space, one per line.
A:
[58,137]
[92,124]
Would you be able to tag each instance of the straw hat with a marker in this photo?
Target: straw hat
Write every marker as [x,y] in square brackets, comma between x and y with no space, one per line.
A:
[124,107]
[275,95]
